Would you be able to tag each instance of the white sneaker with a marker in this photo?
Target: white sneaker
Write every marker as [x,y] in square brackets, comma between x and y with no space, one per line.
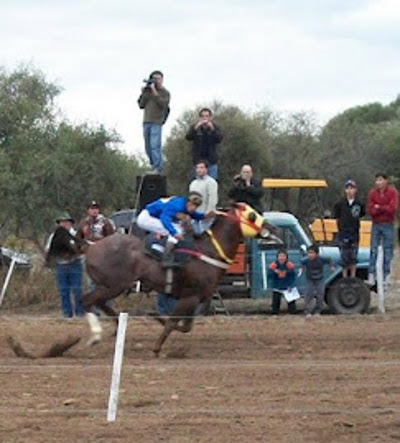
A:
[371,280]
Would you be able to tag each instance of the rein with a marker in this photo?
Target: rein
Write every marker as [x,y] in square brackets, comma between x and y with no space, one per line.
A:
[218,247]
[204,258]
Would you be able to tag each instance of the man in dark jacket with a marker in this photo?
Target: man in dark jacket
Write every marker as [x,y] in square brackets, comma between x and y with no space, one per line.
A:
[247,189]
[348,212]
[205,135]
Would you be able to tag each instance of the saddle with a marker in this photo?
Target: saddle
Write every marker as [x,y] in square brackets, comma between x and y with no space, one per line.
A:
[154,247]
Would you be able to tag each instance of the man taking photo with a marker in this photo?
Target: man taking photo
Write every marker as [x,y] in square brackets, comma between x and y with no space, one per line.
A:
[154,100]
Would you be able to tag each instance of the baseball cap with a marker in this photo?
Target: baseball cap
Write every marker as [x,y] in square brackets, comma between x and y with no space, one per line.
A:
[351,183]
[93,204]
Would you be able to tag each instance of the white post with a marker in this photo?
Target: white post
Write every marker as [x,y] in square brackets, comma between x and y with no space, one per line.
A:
[379,280]
[8,278]
[117,366]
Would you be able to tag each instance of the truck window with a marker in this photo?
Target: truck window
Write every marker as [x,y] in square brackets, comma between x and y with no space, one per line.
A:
[289,238]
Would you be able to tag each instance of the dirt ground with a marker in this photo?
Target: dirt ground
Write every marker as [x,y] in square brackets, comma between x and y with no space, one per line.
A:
[237,378]
[256,378]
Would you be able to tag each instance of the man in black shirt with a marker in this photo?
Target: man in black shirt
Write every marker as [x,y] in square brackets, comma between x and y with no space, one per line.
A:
[247,189]
[348,212]
[205,135]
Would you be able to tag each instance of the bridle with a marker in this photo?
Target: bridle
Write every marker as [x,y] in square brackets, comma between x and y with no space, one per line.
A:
[238,219]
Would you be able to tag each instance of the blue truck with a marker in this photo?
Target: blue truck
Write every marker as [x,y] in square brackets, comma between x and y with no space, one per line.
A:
[248,276]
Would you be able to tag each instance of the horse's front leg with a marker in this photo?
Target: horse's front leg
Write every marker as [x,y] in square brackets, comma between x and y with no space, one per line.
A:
[169,326]
[184,309]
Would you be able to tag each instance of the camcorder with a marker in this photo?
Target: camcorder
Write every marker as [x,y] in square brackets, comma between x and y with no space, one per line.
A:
[239,181]
[148,82]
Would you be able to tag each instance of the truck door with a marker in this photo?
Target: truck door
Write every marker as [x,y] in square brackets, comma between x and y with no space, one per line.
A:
[263,253]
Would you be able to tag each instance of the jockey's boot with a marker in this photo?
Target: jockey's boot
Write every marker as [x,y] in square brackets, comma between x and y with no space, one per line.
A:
[168,256]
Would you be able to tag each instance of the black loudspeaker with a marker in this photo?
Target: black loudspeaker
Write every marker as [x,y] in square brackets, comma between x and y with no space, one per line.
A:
[149,188]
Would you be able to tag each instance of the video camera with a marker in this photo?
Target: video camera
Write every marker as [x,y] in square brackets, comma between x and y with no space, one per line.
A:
[239,181]
[149,82]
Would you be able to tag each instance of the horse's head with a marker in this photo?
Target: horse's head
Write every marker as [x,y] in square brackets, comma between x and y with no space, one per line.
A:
[252,223]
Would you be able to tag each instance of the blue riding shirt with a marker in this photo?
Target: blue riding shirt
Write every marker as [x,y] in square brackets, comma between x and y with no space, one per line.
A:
[168,211]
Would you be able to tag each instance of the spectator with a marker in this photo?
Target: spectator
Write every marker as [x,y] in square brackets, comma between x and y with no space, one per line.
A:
[348,212]
[68,274]
[207,187]
[247,189]
[93,228]
[315,288]
[205,135]
[154,99]
[282,274]
[382,207]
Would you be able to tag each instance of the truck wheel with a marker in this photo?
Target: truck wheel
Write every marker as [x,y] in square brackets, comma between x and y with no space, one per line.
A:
[349,296]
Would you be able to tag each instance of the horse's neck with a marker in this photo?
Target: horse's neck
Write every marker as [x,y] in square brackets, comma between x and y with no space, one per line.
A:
[228,236]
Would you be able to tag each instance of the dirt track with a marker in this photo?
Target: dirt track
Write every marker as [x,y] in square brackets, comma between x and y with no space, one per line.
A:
[253,378]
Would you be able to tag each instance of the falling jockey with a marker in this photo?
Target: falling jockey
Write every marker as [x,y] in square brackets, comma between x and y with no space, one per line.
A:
[163,216]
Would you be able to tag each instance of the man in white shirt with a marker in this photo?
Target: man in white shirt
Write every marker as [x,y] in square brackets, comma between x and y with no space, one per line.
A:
[208,188]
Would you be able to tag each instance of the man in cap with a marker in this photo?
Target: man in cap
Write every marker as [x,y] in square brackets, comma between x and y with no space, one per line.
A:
[163,216]
[348,212]
[95,226]
[68,272]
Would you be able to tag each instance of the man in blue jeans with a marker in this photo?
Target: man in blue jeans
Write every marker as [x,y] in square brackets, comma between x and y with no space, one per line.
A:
[68,274]
[154,100]
[382,207]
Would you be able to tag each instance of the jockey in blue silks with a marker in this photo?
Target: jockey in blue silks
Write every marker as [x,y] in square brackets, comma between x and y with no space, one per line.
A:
[163,217]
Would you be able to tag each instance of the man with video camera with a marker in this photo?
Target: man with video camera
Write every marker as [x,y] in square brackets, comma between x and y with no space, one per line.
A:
[154,99]
[247,189]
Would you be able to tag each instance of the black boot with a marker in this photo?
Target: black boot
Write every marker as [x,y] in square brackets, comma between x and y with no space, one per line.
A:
[168,256]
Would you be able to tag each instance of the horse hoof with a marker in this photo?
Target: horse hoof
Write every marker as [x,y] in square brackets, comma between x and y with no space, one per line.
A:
[156,353]
[93,340]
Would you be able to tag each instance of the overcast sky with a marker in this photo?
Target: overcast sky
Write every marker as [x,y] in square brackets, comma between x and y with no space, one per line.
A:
[290,55]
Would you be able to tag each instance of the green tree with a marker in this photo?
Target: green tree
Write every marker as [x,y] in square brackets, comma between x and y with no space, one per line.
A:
[48,165]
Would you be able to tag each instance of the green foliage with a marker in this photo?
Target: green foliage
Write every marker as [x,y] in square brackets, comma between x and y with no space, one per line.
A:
[48,165]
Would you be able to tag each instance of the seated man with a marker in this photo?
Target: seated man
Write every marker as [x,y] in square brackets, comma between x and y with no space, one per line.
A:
[163,217]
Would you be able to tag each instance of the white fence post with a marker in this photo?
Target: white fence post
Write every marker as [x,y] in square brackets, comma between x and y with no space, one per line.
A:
[8,278]
[379,280]
[117,366]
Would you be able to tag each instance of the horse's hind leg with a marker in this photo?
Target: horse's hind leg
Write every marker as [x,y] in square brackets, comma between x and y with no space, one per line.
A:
[185,308]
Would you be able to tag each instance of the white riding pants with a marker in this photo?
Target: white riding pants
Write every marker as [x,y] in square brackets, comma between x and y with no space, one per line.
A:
[154,224]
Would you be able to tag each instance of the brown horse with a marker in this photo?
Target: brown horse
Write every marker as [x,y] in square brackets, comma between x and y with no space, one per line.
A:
[117,261]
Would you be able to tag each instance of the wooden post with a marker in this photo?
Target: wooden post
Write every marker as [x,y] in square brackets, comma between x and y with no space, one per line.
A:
[8,278]
[379,280]
[117,366]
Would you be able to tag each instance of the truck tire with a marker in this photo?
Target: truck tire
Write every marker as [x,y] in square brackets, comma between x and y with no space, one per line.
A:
[349,296]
